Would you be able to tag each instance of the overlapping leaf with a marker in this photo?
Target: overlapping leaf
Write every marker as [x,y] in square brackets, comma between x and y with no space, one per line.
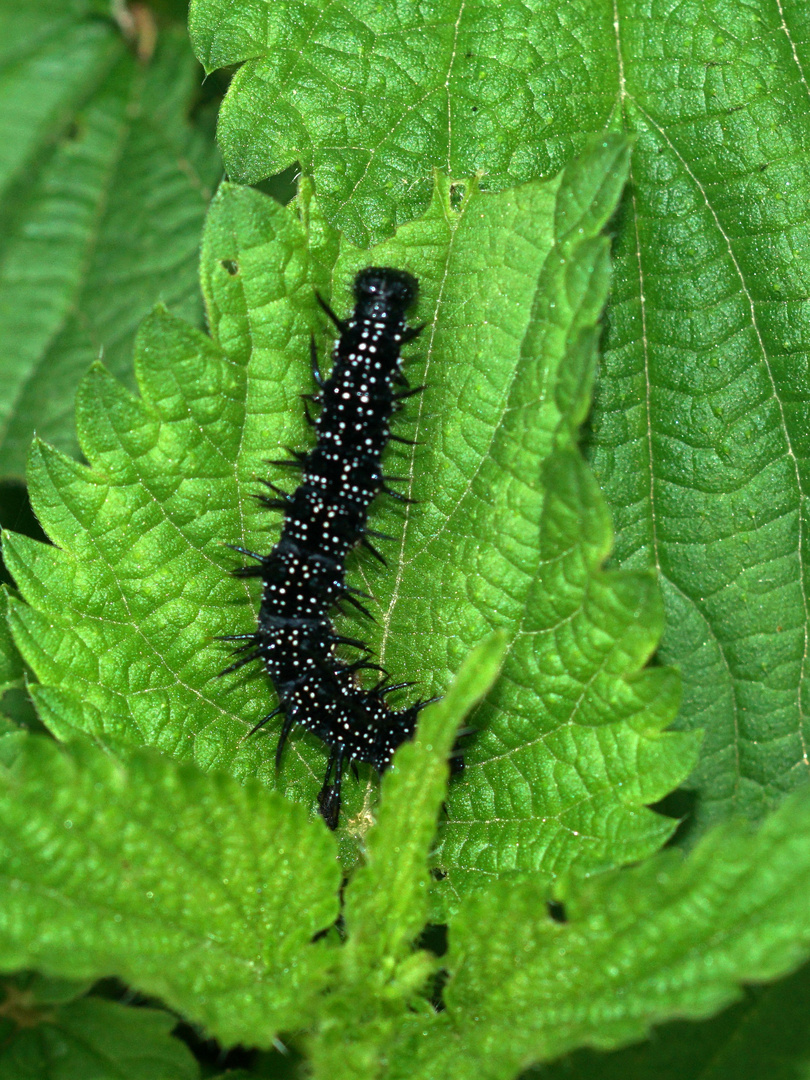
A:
[701,434]
[670,938]
[12,668]
[386,903]
[370,98]
[123,609]
[380,976]
[700,438]
[48,1036]
[705,351]
[520,281]
[764,1035]
[103,187]
[191,887]
[126,605]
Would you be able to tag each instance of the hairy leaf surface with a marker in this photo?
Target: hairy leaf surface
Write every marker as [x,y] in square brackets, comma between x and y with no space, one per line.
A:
[764,1035]
[103,187]
[191,887]
[671,938]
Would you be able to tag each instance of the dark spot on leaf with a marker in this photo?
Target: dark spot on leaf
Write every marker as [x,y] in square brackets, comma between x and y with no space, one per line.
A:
[557,911]
[283,186]
[214,1055]
[475,108]
[438,874]
[73,131]
[682,804]
[434,939]
[231,266]
[457,192]
[435,989]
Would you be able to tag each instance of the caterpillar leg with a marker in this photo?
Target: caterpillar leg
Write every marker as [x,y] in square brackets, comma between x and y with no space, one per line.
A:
[329,795]
[339,323]
[313,356]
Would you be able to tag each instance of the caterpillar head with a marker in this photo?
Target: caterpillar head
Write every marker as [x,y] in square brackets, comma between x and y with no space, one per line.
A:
[379,286]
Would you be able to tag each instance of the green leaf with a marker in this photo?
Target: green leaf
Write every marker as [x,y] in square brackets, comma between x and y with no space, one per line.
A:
[88,1038]
[120,613]
[16,708]
[381,975]
[39,989]
[139,537]
[12,667]
[387,902]
[765,1035]
[371,97]
[191,887]
[514,533]
[103,189]
[700,432]
[671,938]
[520,286]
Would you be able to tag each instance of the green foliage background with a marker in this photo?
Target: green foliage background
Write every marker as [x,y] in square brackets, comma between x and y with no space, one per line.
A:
[522,160]
[104,180]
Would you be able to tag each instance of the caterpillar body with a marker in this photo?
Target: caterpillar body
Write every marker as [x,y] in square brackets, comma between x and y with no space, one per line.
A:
[324,519]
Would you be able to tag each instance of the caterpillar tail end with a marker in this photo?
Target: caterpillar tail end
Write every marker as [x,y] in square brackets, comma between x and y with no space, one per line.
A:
[329,804]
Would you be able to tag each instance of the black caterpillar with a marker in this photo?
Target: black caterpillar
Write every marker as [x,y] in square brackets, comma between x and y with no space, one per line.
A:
[325,517]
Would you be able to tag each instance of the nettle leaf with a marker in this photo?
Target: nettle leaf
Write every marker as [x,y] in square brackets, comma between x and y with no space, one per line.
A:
[514,533]
[764,1035]
[192,887]
[387,900]
[381,977]
[700,433]
[371,97]
[671,938]
[16,709]
[104,183]
[12,667]
[120,614]
[45,1038]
